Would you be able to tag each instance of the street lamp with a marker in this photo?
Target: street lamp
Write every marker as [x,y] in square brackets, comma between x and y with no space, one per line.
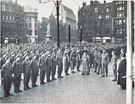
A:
[80,34]
[100,20]
[16,18]
[57,4]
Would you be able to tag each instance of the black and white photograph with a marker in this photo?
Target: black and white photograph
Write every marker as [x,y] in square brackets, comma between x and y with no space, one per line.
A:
[67,51]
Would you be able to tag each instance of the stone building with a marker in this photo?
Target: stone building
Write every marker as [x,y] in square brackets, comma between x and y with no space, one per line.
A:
[103,22]
[31,16]
[67,17]
[12,21]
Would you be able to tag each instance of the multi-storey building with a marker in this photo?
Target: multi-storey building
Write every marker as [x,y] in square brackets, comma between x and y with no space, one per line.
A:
[96,21]
[12,21]
[67,17]
[104,22]
[120,23]
[31,16]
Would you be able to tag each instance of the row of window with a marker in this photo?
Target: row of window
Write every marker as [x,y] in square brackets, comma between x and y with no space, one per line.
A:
[6,17]
[120,14]
[7,8]
[120,2]
[107,9]
[120,8]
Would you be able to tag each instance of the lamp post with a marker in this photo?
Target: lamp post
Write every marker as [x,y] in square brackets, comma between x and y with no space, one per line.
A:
[80,34]
[16,18]
[100,20]
[69,34]
[57,4]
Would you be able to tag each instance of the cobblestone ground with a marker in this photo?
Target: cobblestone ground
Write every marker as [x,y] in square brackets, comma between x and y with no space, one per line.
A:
[73,89]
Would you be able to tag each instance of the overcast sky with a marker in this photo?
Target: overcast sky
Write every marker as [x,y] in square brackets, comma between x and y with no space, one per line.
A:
[44,10]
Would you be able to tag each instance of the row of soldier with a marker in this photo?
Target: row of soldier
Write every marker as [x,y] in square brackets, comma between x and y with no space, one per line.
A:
[44,59]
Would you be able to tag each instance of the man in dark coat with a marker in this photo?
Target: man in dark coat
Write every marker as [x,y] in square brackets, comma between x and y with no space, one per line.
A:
[17,70]
[7,76]
[26,70]
[122,72]
[34,70]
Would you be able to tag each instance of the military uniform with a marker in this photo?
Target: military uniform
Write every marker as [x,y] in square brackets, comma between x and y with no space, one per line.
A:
[17,69]
[42,66]
[49,67]
[34,71]
[26,70]
[66,62]
[60,64]
[54,62]
[6,74]
[78,60]
[105,62]
[73,61]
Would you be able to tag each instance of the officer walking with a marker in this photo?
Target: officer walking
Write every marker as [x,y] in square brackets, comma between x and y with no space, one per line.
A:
[17,70]
[78,60]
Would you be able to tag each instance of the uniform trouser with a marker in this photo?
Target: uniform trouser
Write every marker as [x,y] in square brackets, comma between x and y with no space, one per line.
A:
[115,73]
[99,69]
[96,65]
[17,82]
[42,75]
[105,69]
[66,68]
[26,78]
[60,67]
[34,76]
[7,82]
[53,70]
[49,69]
[78,65]
[72,65]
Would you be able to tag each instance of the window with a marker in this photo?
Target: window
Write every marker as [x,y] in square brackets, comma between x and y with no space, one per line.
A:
[10,18]
[99,17]
[10,9]
[120,14]
[3,17]
[124,21]
[6,17]
[30,25]
[13,18]
[107,9]
[107,16]
[96,9]
[3,8]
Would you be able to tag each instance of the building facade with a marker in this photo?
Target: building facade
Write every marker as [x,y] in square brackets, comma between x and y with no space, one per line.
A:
[103,22]
[96,21]
[31,16]
[67,17]
[12,21]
